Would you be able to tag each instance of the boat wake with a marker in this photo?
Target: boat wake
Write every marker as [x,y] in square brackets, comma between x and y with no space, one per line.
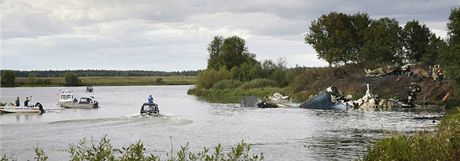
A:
[136,120]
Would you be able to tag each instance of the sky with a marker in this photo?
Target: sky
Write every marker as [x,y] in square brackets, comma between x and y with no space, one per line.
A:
[172,35]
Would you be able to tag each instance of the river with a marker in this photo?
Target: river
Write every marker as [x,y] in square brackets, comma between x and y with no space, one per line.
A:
[281,134]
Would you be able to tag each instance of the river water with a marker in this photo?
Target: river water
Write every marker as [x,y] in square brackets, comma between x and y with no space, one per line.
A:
[281,134]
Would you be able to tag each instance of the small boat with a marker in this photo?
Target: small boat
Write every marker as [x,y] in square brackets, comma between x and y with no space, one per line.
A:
[10,108]
[89,89]
[329,99]
[150,109]
[85,102]
[66,97]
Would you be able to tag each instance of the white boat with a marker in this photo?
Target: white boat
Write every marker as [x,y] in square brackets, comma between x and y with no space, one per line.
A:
[10,108]
[65,98]
[85,102]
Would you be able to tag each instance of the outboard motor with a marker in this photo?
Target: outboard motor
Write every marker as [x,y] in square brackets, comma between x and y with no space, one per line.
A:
[156,110]
[40,107]
[96,104]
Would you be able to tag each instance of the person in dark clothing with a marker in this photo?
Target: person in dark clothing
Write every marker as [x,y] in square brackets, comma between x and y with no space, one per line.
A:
[26,102]
[17,102]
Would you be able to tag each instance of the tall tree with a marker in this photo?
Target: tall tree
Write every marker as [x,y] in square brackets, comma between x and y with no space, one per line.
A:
[332,38]
[451,58]
[229,52]
[360,23]
[416,41]
[8,78]
[214,49]
[383,42]
[435,48]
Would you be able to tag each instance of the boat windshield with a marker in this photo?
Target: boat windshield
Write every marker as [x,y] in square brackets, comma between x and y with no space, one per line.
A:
[66,97]
[85,100]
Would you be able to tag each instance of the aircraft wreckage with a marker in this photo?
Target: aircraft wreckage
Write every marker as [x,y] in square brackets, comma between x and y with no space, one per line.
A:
[332,99]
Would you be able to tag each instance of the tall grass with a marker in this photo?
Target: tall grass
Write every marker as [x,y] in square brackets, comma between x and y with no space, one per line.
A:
[232,91]
[443,144]
[137,152]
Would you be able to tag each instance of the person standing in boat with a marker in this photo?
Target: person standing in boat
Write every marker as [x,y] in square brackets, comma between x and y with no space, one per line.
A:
[150,99]
[26,102]
[17,102]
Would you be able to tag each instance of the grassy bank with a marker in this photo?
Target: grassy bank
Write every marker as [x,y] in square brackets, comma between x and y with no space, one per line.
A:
[104,150]
[350,79]
[231,91]
[444,144]
[109,81]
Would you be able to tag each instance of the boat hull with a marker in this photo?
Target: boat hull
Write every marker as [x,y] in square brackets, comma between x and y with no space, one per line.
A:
[79,105]
[13,109]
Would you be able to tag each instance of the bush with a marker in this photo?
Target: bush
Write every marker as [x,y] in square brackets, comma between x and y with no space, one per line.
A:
[227,84]
[259,83]
[71,79]
[8,78]
[208,77]
[441,145]
[105,151]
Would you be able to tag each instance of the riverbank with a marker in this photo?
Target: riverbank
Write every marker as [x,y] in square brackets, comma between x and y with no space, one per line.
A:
[350,79]
[443,144]
[107,81]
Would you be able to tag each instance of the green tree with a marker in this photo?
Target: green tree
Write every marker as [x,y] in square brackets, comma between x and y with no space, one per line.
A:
[207,78]
[71,79]
[435,48]
[416,41]
[247,71]
[383,43]
[451,58]
[229,52]
[214,49]
[360,23]
[8,78]
[330,36]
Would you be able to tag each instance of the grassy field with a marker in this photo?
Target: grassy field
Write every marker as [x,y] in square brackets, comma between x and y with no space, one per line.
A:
[108,81]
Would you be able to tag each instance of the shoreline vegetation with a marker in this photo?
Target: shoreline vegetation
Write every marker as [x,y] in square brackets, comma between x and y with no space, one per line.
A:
[49,78]
[443,144]
[106,81]
[353,43]
[104,150]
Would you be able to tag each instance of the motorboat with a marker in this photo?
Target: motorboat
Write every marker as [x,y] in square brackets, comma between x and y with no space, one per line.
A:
[150,109]
[66,97]
[10,108]
[89,89]
[85,102]
[329,99]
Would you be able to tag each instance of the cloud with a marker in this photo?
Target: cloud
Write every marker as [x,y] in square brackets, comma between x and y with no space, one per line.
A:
[173,35]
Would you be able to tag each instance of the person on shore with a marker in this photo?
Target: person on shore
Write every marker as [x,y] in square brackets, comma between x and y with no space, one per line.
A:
[26,102]
[434,71]
[440,74]
[17,102]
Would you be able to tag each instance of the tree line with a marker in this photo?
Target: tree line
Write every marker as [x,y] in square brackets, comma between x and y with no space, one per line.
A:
[100,73]
[341,38]
[8,76]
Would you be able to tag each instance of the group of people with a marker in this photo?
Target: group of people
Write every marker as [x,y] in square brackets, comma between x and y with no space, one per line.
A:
[26,102]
